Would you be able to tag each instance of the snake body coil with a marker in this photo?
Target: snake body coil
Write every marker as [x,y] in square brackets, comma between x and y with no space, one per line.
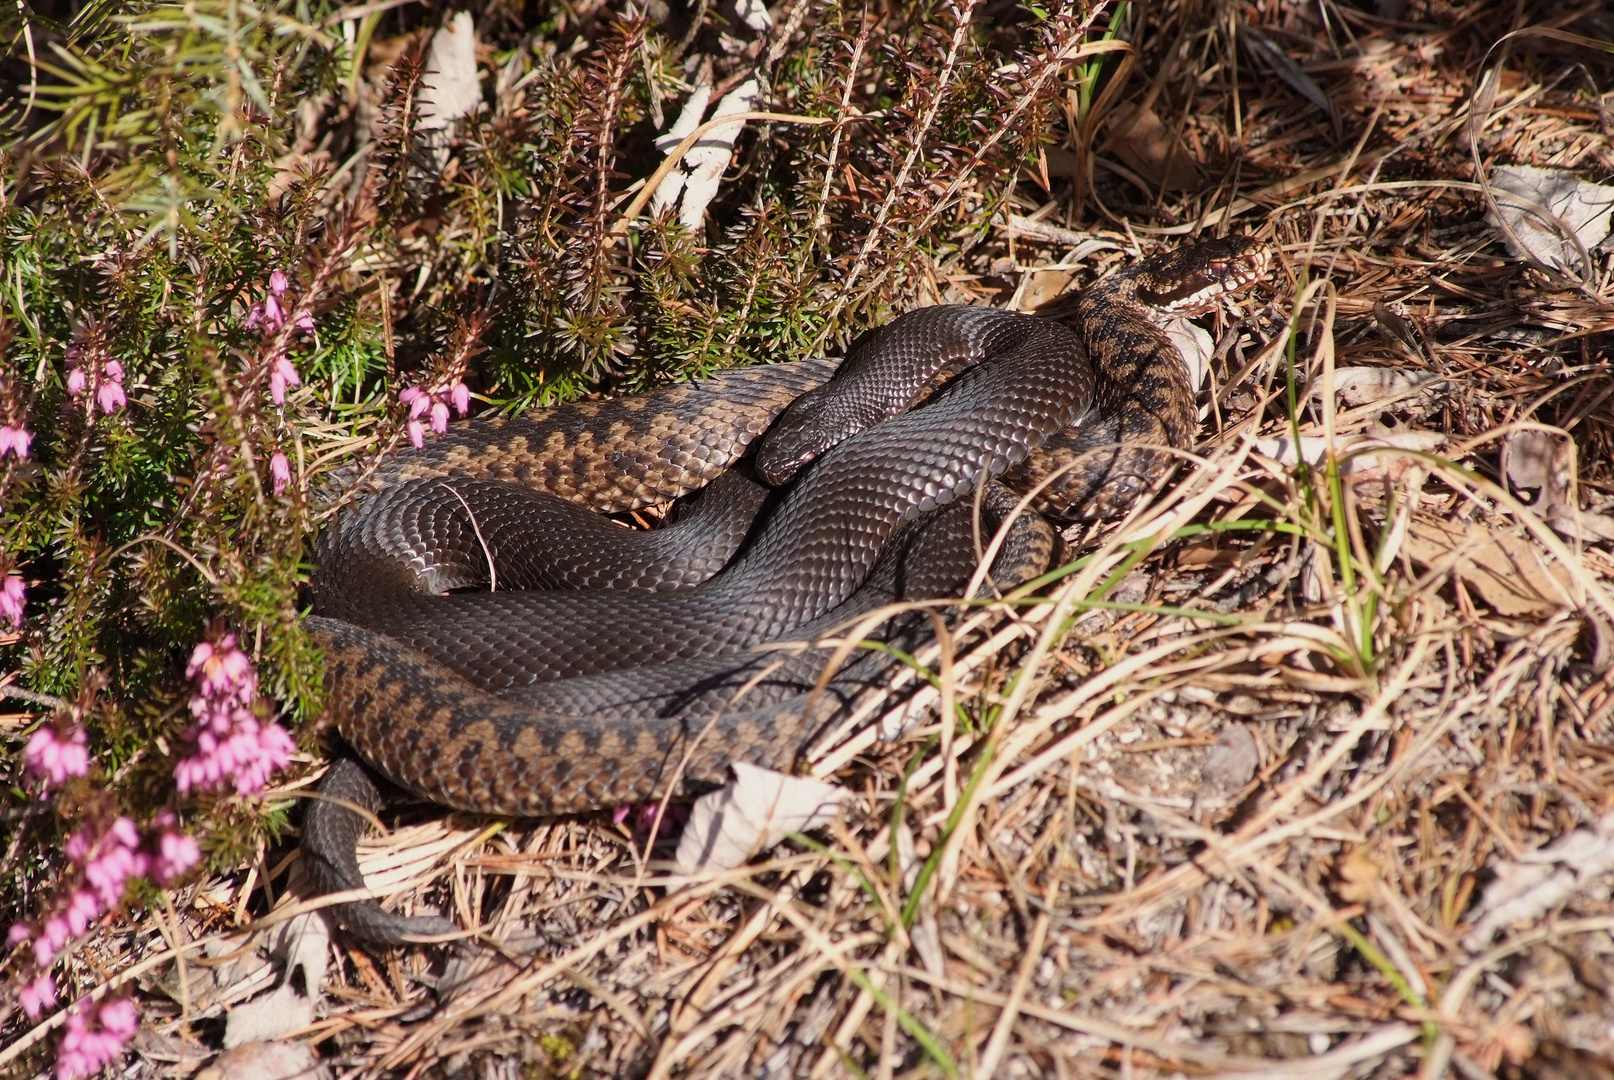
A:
[593,668]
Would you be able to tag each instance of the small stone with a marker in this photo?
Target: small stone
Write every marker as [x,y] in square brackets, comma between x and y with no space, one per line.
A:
[1231,763]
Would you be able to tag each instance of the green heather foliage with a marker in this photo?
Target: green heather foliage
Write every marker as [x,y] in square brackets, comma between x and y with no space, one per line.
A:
[159,162]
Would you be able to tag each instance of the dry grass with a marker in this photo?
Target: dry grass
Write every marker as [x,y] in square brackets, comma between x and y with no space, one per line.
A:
[1231,814]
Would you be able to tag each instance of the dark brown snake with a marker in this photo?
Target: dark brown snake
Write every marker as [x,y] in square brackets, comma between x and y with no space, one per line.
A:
[494,645]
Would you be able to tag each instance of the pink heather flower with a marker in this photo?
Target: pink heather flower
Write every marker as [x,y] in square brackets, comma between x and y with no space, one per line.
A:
[279,472]
[271,314]
[108,385]
[110,393]
[12,591]
[416,398]
[37,996]
[222,671]
[83,845]
[233,745]
[644,816]
[88,1047]
[81,912]
[52,936]
[246,757]
[176,854]
[421,401]
[109,861]
[56,755]
[14,438]
[282,375]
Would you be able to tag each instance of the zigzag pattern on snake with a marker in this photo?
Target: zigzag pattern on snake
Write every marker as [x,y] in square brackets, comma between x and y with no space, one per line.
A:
[585,678]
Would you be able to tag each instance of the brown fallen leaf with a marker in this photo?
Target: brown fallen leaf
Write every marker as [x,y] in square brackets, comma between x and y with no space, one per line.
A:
[1356,386]
[759,809]
[1045,285]
[451,88]
[1554,1060]
[1290,73]
[304,940]
[1359,463]
[1506,571]
[266,1061]
[1359,873]
[1525,889]
[1540,462]
[1154,151]
[1394,324]
[1582,525]
[1061,162]
[1551,215]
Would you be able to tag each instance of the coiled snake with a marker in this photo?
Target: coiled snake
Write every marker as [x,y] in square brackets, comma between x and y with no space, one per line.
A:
[493,645]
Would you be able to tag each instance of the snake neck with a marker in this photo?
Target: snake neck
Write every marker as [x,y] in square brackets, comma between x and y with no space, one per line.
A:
[1142,393]
[1144,400]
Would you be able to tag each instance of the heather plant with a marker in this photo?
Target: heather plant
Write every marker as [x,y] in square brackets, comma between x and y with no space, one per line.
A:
[233,263]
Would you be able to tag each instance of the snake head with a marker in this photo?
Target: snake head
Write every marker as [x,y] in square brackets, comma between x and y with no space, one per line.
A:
[1188,280]
[800,434]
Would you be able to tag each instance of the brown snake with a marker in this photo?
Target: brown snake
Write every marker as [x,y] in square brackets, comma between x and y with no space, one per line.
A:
[599,673]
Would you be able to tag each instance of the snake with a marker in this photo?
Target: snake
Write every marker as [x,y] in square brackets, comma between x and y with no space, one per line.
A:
[494,644]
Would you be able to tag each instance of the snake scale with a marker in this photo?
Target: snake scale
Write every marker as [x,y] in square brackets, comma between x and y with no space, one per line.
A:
[493,644]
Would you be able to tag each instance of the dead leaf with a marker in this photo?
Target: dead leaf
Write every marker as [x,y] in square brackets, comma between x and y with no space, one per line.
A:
[1043,286]
[752,814]
[1536,882]
[1359,463]
[234,974]
[1083,243]
[1207,552]
[1396,326]
[1195,345]
[1582,525]
[1505,570]
[754,13]
[266,1061]
[450,89]
[1358,386]
[1516,1041]
[1061,162]
[1539,461]
[1154,152]
[305,942]
[1551,1059]
[1537,204]
[1359,875]
[668,191]
[707,161]
[1279,62]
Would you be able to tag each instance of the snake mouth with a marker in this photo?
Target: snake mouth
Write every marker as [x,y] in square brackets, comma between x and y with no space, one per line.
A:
[1219,268]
